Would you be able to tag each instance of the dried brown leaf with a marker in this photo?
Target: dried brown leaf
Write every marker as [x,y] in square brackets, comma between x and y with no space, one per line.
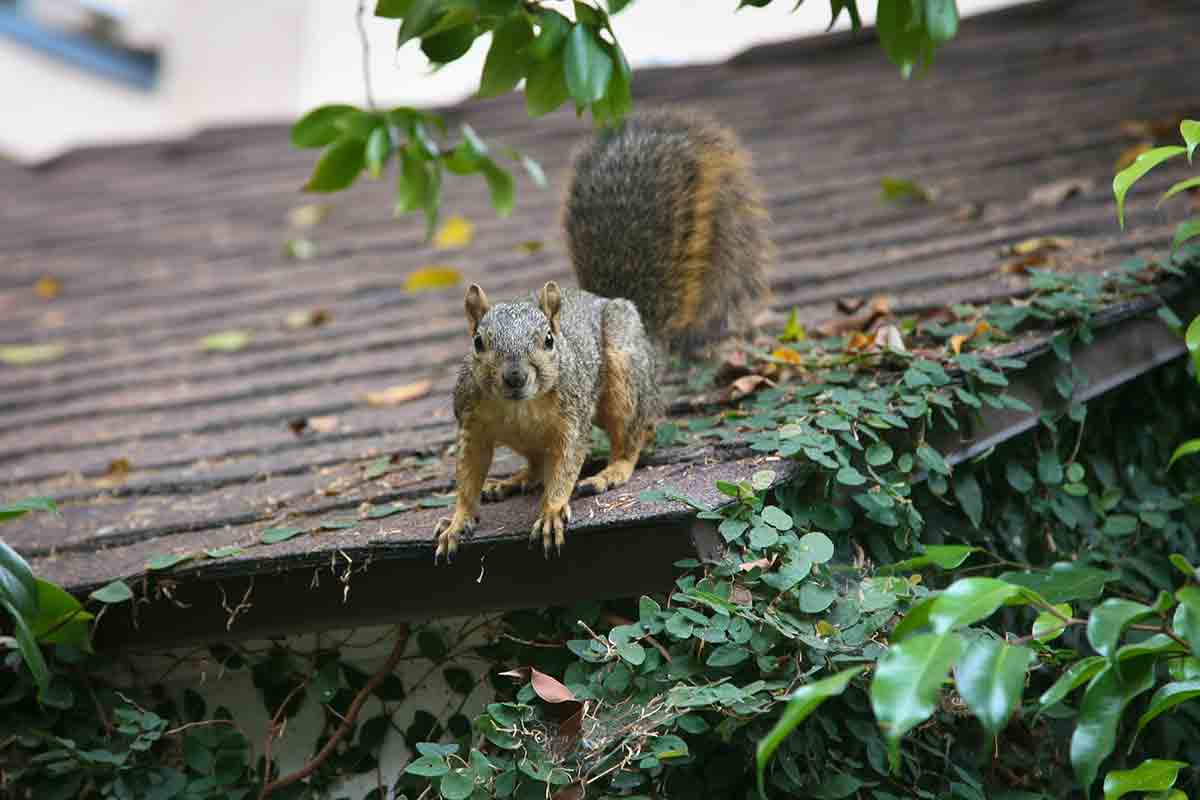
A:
[47,288]
[787,355]
[741,596]
[545,687]
[747,384]
[1057,192]
[1041,244]
[395,395]
[323,424]
[308,318]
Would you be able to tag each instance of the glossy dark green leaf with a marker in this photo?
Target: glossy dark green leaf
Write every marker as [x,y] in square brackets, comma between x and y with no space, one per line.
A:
[1185,232]
[21,507]
[18,587]
[338,166]
[1018,477]
[1152,775]
[392,9]
[1048,627]
[1108,621]
[505,64]
[1063,582]
[552,32]
[27,646]
[969,496]
[419,17]
[908,682]
[1187,617]
[933,460]
[588,67]
[1104,700]
[969,600]
[1165,699]
[1075,676]
[319,127]
[451,44]
[990,676]
[801,703]
[60,618]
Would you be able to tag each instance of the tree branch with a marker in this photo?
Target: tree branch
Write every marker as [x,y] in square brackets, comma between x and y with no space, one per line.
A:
[351,715]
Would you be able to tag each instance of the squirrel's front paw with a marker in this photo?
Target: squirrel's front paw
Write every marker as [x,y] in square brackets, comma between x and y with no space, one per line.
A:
[447,531]
[551,527]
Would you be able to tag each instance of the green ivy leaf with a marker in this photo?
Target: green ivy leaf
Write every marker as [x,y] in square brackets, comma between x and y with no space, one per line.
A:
[727,655]
[801,703]
[588,67]
[379,150]
[1126,178]
[777,518]
[275,535]
[457,784]
[879,454]
[338,166]
[933,460]
[817,547]
[114,592]
[908,681]
[27,646]
[633,653]
[501,185]
[428,767]
[1018,477]
[1108,621]
[167,561]
[1105,699]
[814,599]
[990,676]
[1076,675]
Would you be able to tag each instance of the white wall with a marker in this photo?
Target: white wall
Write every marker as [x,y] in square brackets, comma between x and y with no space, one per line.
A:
[226,61]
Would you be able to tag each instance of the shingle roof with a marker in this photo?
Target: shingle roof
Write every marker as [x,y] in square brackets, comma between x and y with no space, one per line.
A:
[158,245]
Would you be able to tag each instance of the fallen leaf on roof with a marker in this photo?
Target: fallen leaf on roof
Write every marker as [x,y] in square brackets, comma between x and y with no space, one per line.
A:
[787,355]
[1057,192]
[117,468]
[858,342]
[1130,154]
[1162,127]
[531,246]
[746,385]
[225,341]
[309,318]
[306,216]
[47,288]
[1022,265]
[395,395]
[299,249]
[1027,246]
[968,212]
[957,341]
[25,355]
[431,278]
[545,687]
[849,305]
[889,337]
[901,189]
[877,308]
[323,424]
[455,232]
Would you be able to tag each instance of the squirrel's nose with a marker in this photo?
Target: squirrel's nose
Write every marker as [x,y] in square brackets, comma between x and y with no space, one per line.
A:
[514,378]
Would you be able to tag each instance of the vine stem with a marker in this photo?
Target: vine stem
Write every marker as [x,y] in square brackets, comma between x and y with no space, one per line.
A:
[366,53]
[348,722]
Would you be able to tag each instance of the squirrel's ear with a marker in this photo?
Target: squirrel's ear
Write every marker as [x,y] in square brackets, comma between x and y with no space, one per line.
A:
[550,301]
[476,304]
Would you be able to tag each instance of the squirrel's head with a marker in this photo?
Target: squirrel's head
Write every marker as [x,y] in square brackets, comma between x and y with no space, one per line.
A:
[515,352]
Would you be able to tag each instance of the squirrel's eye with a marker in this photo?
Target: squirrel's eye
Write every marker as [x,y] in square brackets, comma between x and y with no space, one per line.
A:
[549,341]
[478,343]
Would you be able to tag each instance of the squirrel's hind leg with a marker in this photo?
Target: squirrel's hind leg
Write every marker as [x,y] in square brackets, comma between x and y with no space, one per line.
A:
[629,399]
[523,480]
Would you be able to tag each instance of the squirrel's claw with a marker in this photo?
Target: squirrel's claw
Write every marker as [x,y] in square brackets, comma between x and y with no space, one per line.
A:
[447,532]
[551,528]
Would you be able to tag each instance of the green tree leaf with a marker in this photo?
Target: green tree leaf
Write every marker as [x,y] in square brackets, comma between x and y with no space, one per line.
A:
[1048,627]
[450,44]
[990,676]
[20,508]
[1190,130]
[319,127]
[338,166]
[60,618]
[1186,231]
[419,17]
[1152,775]
[1180,186]
[552,32]
[379,150]
[501,185]
[908,680]
[274,535]
[968,601]
[1192,339]
[1104,700]
[505,64]
[1076,675]
[801,703]
[18,587]
[588,67]
[27,646]
[546,86]
[1165,699]
[970,497]
[941,19]
[1126,178]
[1187,617]
[1063,582]
[1108,621]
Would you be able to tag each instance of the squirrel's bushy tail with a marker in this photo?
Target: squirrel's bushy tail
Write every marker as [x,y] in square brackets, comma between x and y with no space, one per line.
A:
[663,210]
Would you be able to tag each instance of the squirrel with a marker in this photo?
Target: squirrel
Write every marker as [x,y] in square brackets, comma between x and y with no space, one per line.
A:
[667,232]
